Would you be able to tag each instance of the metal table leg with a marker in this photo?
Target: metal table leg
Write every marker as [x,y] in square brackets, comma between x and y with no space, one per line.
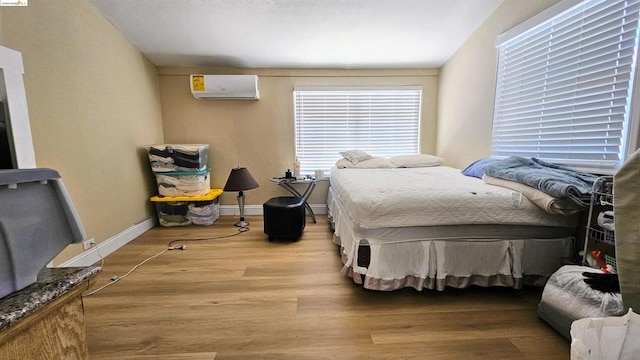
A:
[305,195]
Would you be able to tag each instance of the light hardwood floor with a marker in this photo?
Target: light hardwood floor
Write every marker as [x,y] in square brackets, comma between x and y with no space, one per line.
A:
[246,298]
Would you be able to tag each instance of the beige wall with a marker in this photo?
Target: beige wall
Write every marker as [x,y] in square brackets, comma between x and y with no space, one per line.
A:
[467,86]
[93,103]
[260,134]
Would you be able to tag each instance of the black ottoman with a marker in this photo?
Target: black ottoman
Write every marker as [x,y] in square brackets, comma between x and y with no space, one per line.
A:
[284,217]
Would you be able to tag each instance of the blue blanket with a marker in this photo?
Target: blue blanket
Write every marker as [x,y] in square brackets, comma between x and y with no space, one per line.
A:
[553,179]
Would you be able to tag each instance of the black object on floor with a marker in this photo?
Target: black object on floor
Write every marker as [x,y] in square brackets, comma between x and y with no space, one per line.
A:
[602,282]
[284,218]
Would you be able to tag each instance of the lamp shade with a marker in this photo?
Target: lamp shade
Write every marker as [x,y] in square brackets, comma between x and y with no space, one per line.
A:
[240,179]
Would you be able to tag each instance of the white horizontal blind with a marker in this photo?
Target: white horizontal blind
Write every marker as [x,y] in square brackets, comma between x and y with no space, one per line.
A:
[380,121]
[564,87]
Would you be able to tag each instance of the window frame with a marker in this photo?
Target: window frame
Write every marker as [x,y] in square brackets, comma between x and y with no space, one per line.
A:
[629,138]
[307,169]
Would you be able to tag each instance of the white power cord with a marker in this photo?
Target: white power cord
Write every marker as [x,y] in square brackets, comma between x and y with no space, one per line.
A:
[170,246]
[115,278]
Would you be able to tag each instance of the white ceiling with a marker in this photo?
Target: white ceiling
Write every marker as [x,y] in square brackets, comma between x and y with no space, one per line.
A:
[297,33]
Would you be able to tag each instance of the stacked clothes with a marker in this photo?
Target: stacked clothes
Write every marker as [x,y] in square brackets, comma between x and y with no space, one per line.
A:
[183,179]
[183,183]
[180,169]
[178,157]
[203,214]
[183,213]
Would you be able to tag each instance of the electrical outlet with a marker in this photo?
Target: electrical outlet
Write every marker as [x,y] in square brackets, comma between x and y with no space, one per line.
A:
[88,244]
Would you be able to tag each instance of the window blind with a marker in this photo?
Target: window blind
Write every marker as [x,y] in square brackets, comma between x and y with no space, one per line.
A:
[564,87]
[380,121]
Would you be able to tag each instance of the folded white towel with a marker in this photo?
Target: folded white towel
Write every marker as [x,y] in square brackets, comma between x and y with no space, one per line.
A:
[545,201]
[605,220]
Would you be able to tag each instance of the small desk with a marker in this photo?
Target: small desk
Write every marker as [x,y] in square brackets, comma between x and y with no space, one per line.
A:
[287,183]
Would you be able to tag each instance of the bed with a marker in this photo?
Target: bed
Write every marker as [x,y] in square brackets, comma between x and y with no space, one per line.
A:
[432,228]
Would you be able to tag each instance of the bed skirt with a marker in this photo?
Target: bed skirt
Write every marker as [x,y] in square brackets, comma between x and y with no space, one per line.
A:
[436,265]
[392,259]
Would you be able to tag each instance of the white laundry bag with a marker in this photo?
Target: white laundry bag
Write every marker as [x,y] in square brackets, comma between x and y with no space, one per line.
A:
[614,337]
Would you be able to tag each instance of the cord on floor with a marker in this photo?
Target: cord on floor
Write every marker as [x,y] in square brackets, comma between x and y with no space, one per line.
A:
[240,231]
[170,246]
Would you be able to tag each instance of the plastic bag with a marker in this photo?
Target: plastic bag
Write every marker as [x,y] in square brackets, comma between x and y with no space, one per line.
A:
[606,338]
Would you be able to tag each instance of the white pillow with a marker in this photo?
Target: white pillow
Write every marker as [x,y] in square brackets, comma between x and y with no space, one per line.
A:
[356,155]
[375,162]
[420,160]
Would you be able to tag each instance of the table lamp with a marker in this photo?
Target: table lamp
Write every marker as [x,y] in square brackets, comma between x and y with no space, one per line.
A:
[239,180]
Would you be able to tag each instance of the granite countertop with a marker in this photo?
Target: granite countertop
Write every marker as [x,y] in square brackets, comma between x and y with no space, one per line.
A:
[51,284]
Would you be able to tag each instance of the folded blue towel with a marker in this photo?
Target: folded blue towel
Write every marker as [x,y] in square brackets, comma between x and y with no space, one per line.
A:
[553,179]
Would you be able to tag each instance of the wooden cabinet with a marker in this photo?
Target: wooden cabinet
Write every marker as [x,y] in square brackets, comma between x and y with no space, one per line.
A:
[46,319]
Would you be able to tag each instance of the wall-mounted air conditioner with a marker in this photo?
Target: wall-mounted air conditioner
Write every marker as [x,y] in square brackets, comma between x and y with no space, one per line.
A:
[243,87]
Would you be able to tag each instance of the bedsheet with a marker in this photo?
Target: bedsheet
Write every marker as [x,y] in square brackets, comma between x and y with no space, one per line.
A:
[430,196]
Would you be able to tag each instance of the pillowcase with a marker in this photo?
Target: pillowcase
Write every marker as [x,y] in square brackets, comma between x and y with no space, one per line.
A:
[412,161]
[376,162]
[356,155]
[476,167]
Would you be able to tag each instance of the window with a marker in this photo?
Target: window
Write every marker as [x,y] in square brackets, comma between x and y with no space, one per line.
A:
[382,121]
[564,86]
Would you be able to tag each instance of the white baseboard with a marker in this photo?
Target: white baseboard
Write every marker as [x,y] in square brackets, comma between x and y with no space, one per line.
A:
[110,245]
[257,209]
[114,243]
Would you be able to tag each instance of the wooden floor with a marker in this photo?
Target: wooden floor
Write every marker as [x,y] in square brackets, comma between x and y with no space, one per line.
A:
[246,298]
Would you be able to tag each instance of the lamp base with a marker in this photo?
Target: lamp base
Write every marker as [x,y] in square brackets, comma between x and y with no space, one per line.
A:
[242,223]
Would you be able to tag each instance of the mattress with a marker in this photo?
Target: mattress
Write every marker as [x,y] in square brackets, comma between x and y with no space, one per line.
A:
[469,232]
[433,196]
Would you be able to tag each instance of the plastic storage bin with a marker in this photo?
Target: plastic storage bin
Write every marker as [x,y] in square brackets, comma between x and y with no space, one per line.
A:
[184,183]
[188,210]
[37,221]
[178,157]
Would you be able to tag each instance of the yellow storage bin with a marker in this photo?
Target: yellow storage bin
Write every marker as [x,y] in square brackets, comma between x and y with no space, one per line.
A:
[188,210]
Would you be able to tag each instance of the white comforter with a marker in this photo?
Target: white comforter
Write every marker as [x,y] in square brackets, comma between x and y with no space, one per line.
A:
[429,196]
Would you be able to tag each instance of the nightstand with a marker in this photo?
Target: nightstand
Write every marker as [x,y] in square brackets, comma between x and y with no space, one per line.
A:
[287,184]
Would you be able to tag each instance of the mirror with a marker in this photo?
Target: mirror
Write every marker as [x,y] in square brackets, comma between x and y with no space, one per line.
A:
[16,144]
[6,150]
